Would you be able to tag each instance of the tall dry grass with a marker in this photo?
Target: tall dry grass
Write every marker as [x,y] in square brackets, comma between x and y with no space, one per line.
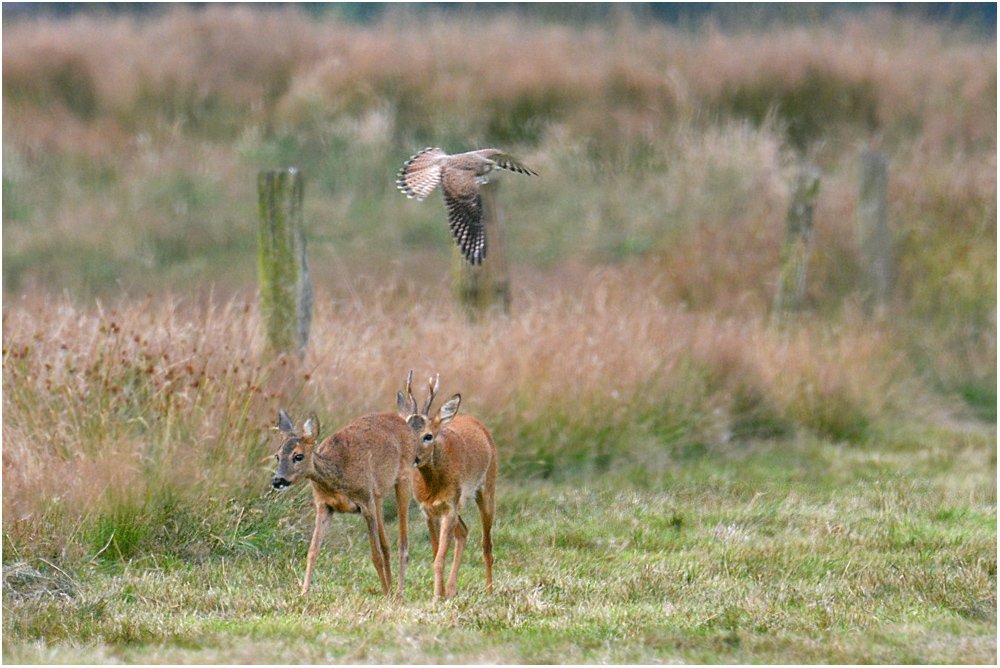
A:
[161,407]
[108,410]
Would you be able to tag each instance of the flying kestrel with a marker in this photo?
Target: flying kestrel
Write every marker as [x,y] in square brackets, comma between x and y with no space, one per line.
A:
[460,176]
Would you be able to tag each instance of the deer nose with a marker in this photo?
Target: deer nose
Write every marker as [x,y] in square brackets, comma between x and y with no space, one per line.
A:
[278,483]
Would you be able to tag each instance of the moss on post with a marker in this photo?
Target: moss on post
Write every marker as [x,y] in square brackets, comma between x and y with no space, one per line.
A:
[797,245]
[285,288]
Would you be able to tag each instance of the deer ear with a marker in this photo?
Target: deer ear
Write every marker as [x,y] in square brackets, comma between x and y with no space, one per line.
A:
[449,410]
[402,406]
[285,425]
[310,429]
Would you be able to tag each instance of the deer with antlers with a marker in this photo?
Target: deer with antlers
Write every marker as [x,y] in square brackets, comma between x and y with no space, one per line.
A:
[351,471]
[455,461]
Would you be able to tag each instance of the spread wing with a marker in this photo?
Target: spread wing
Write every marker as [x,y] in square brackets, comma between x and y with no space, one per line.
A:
[421,173]
[505,161]
[465,213]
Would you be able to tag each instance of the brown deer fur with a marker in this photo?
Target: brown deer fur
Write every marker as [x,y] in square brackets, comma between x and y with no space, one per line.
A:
[352,471]
[456,461]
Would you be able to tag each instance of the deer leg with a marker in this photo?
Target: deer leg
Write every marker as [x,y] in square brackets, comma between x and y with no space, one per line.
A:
[434,528]
[373,538]
[461,533]
[486,508]
[383,538]
[447,532]
[403,492]
[323,515]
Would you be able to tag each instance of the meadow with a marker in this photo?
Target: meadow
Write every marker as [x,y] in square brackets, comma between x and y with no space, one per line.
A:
[682,476]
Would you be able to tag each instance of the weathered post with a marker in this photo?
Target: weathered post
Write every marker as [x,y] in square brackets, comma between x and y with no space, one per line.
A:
[797,244]
[477,288]
[286,297]
[874,240]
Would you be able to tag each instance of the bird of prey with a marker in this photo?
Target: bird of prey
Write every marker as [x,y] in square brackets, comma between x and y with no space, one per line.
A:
[460,176]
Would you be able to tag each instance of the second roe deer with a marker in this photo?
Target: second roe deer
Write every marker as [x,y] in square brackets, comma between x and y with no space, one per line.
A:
[351,472]
[456,460]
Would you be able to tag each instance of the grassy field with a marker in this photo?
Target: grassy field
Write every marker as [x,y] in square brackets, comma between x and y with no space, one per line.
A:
[682,478]
[726,563]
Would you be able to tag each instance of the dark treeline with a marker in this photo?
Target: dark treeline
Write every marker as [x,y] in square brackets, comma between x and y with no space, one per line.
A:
[982,16]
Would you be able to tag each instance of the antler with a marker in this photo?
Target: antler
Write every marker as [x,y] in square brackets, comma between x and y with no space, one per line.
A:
[409,392]
[432,386]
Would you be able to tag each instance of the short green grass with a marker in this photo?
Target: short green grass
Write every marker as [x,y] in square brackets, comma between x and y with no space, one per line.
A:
[801,551]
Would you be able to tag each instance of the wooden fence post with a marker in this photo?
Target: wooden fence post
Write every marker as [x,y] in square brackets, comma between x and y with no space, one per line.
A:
[286,297]
[797,244]
[874,239]
[477,288]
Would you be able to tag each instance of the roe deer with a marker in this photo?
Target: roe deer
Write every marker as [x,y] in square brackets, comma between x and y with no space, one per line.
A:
[351,471]
[456,460]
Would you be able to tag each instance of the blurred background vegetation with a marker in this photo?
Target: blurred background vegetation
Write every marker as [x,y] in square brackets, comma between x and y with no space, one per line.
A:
[665,135]
[132,136]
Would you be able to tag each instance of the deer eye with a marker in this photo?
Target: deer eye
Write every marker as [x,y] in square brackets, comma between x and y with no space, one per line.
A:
[298,458]
[428,438]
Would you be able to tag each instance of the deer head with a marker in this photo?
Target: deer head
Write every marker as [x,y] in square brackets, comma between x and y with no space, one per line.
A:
[295,455]
[424,427]
[427,429]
